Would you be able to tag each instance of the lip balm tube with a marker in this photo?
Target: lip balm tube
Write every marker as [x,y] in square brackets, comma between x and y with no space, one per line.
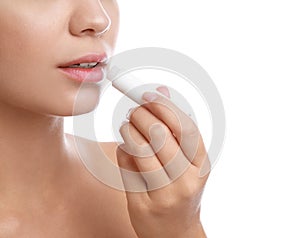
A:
[133,87]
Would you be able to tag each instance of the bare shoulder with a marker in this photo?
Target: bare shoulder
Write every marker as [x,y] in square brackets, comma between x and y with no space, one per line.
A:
[100,178]
[99,159]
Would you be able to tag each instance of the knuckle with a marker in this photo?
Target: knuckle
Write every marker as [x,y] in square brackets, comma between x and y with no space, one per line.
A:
[141,150]
[159,130]
[189,129]
[133,113]
[160,137]
[138,207]
[164,206]
[124,127]
[190,190]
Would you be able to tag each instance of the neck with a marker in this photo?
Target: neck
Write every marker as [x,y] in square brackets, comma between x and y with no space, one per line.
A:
[33,150]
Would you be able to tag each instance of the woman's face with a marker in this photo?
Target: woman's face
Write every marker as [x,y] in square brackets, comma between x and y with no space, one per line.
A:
[37,37]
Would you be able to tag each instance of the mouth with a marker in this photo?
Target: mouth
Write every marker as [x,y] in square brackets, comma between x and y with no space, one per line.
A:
[84,65]
[88,61]
[89,68]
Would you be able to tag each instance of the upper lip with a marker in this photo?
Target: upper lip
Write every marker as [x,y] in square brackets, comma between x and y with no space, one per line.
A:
[90,58]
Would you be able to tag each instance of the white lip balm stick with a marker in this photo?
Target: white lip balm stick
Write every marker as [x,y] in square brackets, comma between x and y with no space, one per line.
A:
[133,87]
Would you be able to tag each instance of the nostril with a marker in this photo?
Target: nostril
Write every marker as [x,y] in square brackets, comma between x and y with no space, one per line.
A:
[97,28]
[105,29]
[90,20]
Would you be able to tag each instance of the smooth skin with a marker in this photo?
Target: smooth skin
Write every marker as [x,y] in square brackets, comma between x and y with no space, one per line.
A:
[46,191]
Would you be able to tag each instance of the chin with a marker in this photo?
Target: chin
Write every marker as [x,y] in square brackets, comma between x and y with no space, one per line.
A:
[61,103]
[86,99]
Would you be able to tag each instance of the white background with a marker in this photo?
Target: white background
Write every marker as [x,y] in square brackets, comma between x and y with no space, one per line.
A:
[251,51]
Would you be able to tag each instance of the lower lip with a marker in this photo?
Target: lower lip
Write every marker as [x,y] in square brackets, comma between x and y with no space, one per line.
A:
[92,75]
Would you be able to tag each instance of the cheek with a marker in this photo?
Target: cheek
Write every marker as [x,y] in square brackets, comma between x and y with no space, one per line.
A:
[29,78]
[21,49]
[28,75]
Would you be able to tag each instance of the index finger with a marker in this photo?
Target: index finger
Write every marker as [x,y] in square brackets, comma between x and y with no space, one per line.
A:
[182,126]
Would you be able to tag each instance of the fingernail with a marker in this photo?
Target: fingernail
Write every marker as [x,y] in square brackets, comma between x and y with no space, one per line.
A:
[148,96]
[164,90]
[129,113]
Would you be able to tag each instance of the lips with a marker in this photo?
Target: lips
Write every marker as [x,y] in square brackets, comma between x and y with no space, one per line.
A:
[91,58]
[89,68]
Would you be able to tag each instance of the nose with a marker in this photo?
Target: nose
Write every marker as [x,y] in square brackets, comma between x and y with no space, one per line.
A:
[89,19]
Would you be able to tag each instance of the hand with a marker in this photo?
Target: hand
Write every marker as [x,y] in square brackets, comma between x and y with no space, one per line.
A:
[165,147]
